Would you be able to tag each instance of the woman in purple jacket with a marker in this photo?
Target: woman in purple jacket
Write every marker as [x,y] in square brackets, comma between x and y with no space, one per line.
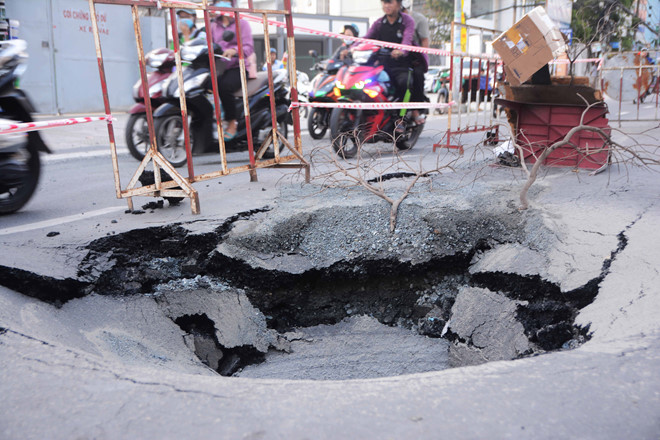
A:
[230,80]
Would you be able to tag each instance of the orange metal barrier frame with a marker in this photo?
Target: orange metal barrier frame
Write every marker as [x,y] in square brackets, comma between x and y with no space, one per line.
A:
[456,88]
[185,188]
[647,75]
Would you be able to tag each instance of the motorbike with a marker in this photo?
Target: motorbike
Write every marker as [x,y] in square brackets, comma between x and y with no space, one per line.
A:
[366,81]
[318,120]
[198,88]
[304,89]
[137,132]
[20,165]
[440,86]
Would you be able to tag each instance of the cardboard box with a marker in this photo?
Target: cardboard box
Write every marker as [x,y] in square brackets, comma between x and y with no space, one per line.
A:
[530,44]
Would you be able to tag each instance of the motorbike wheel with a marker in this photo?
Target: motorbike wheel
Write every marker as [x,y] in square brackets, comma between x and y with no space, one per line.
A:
[442,99]
[410,138]
[343,124]
[27,166]
[263,133]
[170,139]
[137,135]
[317,123]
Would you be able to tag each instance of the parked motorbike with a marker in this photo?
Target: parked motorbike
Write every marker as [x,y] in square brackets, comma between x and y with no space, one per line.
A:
[137,131]
[318,120]
[20,165]
[304,89]
[366,81]
[440,86]
[198,88]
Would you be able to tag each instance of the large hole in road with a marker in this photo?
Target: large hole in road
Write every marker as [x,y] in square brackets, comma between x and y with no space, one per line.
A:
[330,294]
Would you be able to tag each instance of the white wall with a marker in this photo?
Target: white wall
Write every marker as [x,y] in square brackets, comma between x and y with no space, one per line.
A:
[62,75]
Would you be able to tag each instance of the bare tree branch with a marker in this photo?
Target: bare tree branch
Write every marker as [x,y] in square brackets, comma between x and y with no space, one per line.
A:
[629,155]
[369,170]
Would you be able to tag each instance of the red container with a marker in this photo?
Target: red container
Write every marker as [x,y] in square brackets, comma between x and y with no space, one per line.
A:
[538,126]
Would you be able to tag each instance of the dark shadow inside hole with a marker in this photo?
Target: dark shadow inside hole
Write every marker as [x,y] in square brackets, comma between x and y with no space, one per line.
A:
[226,361]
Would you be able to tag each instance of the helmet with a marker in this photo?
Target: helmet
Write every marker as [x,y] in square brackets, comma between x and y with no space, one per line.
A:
[353,27]
[406,3]
[186,11]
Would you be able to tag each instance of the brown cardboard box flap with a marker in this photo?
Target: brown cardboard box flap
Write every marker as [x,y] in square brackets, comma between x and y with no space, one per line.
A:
[528,45]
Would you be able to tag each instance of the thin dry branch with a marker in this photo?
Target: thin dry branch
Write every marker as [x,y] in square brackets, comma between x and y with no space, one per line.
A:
[368,170]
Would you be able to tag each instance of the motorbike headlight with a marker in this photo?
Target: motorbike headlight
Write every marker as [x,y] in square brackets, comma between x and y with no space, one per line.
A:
[371,93]
[360,84]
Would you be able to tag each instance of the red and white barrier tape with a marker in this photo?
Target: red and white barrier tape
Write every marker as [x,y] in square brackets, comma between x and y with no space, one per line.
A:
[583,60]
[405,47]
[418,49]
[281,24]
[40,125]
[371,105]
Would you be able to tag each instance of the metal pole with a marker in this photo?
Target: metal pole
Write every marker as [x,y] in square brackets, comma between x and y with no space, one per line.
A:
[293,76]
[271,89]
[143,78]
[214,83]
[182,95]
[106,102]
[246,102]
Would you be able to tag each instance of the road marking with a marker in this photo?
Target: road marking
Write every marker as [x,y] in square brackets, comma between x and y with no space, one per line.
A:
[61,220]
[81,155]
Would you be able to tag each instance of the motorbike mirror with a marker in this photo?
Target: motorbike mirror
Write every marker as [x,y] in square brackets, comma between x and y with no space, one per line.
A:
[313,53]
[228,36]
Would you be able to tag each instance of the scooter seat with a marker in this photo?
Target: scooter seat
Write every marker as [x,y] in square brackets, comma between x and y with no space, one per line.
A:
[253,85]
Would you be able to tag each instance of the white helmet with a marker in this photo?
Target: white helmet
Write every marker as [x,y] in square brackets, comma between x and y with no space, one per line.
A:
[406,3]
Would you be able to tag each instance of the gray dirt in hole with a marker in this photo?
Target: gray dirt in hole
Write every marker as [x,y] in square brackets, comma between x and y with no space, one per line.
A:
[358,347]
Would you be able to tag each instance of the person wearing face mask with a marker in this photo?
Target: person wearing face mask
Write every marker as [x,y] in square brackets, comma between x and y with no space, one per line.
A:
[230,80]
[275,63]
[395,27]
[187,28]
[343,52]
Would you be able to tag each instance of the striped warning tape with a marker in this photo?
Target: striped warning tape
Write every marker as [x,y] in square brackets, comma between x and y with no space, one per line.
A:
[40,125]
[371,105]
[281,24]
[428,50]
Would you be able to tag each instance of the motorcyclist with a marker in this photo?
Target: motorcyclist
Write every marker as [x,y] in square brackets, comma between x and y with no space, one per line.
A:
[343,52]
[187,27]
[395,27]
[230,79]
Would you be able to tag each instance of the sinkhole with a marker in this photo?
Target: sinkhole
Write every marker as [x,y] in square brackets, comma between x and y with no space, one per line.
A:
[329,293]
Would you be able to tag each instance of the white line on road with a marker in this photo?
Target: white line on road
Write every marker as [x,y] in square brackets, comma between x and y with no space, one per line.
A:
[60,220]
[81,155]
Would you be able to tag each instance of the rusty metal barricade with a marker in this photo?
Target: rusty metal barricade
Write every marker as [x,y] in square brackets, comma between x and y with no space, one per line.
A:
[180,186]
[472,80]
[626,77]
